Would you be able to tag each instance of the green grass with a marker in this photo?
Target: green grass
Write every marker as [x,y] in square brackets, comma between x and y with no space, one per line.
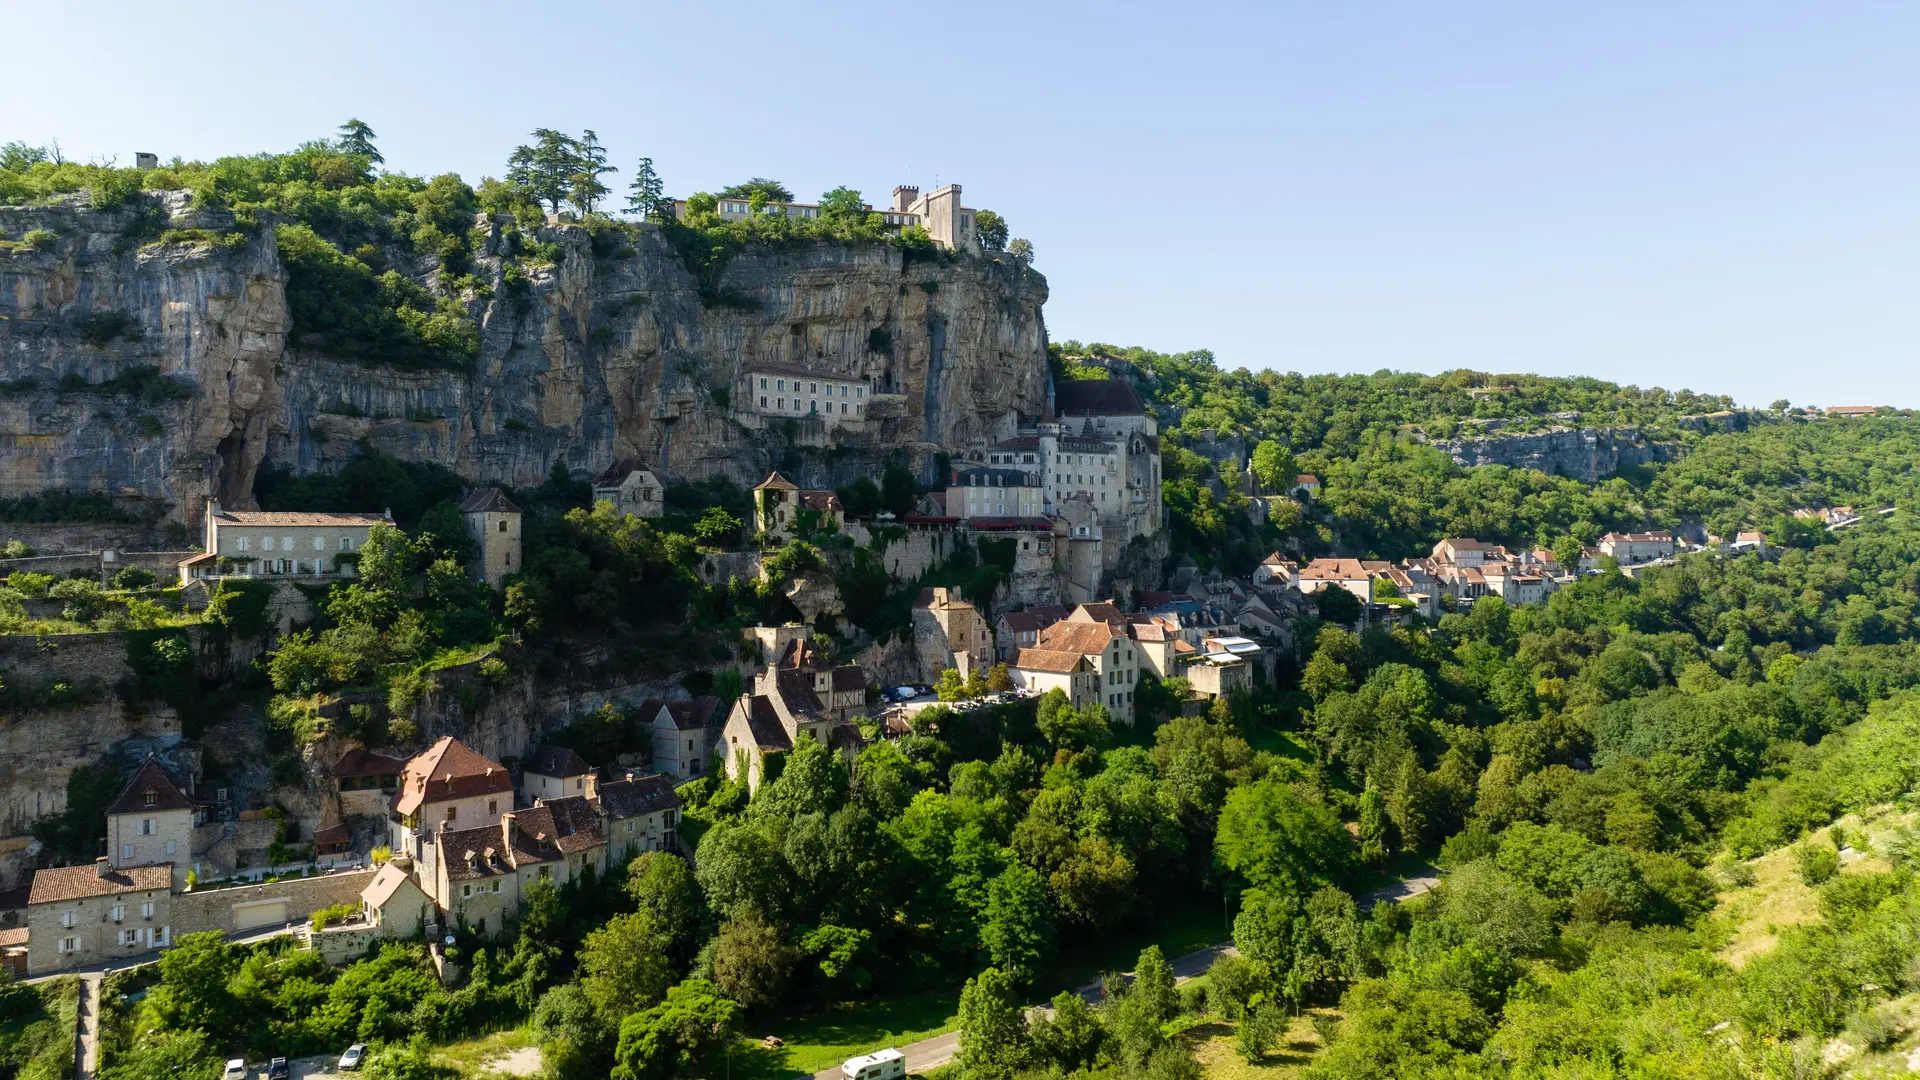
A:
[471,1055]
[823,1040]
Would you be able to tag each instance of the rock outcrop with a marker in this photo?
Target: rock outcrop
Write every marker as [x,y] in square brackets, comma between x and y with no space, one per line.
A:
[1585,454]
[608,355]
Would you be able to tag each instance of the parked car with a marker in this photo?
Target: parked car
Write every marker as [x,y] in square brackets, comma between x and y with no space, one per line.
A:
[277,1069]
[236,1070]
[355,1056]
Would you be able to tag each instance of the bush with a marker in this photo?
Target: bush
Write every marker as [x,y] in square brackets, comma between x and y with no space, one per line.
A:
[327,916]
[1816,862]
[134,577]
[40,239]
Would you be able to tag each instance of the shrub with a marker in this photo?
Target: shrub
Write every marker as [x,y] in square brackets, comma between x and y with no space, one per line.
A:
[336,913]
[134,577]
[1816,862]
[100,328]
[40,239]
[85,600]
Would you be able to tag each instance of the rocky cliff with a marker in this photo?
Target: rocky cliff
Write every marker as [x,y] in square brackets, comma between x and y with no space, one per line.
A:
[1585,454]
[611,353]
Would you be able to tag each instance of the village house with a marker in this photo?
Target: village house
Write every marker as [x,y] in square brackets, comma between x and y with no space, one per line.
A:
[948,632]
[1630,548]
[632,489]
[1016,630]
[1306,485]
[366,781]
[1345,574]
[275,543]
[151,823]
[939,212]
[478,874]
[995,493]
[682,734]
[782,707]
[445,786]
[1276,571]
[1092,660]
[553,772]
[1223,667]
[394,904]
[779,506]
[841,690]
[494,523]
[640,814]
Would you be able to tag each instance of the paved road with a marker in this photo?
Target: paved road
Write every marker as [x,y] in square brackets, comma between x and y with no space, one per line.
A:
[929,1054]
[1404,889]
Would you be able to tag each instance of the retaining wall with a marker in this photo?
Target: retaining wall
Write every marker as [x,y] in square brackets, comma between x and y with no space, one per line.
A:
[213,909]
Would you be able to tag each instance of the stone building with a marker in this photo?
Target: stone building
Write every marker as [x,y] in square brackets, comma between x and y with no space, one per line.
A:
[939,212]
[394,904]
[479,873]
[683,734]
[640,814]
[841,690]
[632,489]
[151,823]
[780,390]
[995,493]
[948,632]
[80,915]
[782,707]
[494,522]
[553,772]
[779,505]
[445,786]
[1091,659]
[257,543]
[366,781]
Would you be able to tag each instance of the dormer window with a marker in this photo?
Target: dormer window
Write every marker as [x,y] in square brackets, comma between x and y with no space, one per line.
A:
[150,797]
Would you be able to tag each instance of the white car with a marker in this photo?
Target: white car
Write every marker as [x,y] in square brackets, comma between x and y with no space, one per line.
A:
[236,1070]
[355,1056]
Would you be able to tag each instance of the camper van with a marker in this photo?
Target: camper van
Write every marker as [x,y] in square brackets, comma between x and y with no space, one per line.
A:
[888,1064]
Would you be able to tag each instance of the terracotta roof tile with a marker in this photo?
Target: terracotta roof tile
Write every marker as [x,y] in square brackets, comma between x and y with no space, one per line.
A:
[78,882]
[150,789]
[448,770]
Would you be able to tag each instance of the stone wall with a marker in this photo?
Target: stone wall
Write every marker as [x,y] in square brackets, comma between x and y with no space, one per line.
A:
[212,909]
[82,539]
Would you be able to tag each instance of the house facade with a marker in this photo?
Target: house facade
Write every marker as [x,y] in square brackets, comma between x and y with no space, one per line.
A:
[779,503]
[682,734]
[494,523]
[261,543]
[632,489]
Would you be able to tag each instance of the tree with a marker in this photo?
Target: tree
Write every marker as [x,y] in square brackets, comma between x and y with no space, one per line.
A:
[993,1027]
[1022,251]
[572,1039]
[678,1037]
[767,190]
[716,527]
[1274,467]
[356,137]
[1273,838]
[739,868]
[992,230]
[1070,1037]
[898,489]
[623,966]
[546,169]
[1337,605]
[950,687]
[193,990]
[750,962]
[1374,843]
[133,577]
[647,194]
[590,163]
[843,203]
[660,883]
[1258,1031]
[1153,984]
[1017,931]
[998,681]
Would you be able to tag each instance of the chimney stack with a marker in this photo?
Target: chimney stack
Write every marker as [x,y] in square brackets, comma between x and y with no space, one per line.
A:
[103,867]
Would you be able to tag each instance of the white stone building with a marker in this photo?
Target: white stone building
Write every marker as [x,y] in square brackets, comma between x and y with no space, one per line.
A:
[276,543]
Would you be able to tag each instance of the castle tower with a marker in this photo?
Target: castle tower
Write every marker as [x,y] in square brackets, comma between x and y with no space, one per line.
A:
[494,523]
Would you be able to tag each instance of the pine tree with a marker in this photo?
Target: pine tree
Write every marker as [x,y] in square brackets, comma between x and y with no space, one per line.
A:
[590,163]
[547,168]
[647,193]
[356,137]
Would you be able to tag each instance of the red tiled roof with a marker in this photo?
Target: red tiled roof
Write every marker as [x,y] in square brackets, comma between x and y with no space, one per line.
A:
[360,761]
[150,779]
[298,517]
[1059,662]
[448,770]
[79,882]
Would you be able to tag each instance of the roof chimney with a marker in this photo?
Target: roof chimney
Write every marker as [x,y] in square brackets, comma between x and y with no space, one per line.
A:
[102,867]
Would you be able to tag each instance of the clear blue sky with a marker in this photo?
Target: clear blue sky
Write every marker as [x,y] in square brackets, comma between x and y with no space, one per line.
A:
[1721,196]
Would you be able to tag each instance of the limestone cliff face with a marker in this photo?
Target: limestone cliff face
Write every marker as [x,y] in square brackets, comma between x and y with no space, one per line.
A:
[606,356]
[210,318]
[1585,454]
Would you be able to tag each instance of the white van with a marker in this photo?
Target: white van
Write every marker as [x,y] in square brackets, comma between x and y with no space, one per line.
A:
[888,1064]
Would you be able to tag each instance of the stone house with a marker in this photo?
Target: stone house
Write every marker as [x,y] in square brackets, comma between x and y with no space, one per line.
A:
[778,504]
[257,543]
[995,493]
[366,781]
[151,824]
[478,874]
[779,391]
[1630,548]
[1276,571]
[1018,630]
[553,772]
[1346,574]
[682,734]
[782,707]
[639,813]
[842,690]
[394,904]
[938,212]
[948,632]
[494,523]
[91,914]
[445,786]
[574,825]
[632,489]
[1105,651]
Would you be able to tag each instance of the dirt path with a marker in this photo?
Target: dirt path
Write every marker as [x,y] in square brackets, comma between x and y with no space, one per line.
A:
[88,1050]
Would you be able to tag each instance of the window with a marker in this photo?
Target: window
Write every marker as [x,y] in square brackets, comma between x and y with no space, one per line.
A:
[493,806]
[779,403]
[496,886]
[146,910]
[763,386]
[266,543]
[118,913]
[346,543]
[546,872]
[812,388]
[130,937]
[763,398]
[780,384]
[319,543]
[146,826]
[466,891]
[69,944]
[68,919]
[246,543]
[859,391]
[452,812]
[286,543]
[503,525]
[169,847]
[126,851]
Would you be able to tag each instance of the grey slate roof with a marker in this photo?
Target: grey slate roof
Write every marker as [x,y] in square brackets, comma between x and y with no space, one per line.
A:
[639,795]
